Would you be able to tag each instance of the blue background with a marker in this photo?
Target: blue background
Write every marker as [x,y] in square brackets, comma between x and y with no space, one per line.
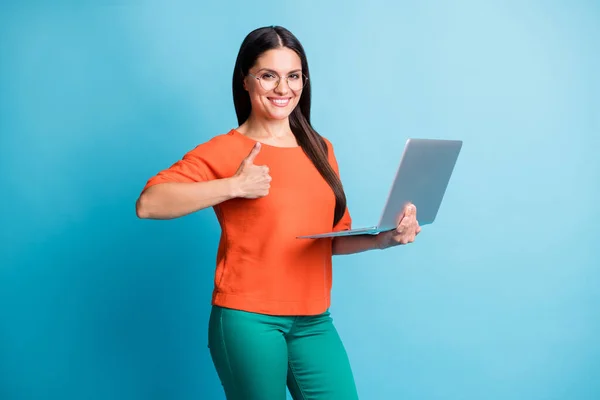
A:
[499,299]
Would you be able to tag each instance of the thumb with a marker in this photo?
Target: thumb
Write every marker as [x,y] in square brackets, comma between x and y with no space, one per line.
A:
[253,153]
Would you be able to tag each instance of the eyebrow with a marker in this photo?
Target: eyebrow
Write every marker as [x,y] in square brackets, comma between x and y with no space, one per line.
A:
[272,70]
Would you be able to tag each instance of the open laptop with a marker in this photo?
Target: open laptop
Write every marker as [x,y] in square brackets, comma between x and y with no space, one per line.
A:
[421,179]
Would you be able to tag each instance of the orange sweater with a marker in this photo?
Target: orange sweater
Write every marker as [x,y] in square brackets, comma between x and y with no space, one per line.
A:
[261,266]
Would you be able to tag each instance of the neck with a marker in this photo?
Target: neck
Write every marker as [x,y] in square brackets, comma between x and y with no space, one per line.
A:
[263,128]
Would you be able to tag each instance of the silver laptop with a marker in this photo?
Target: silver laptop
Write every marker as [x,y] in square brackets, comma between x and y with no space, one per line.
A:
[422,177]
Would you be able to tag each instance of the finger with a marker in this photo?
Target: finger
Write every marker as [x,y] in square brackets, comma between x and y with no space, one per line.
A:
[404,224]
[410,210]
[253,153]
[399,219]
[401,216]
[401,228]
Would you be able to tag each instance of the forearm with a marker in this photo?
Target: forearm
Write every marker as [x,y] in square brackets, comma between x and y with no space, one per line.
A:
[172,200]
[354,244]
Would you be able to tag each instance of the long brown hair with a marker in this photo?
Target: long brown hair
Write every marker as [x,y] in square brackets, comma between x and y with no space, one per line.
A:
[313,145]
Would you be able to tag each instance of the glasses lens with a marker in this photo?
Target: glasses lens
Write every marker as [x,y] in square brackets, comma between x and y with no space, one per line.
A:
[296,81]
[269,81]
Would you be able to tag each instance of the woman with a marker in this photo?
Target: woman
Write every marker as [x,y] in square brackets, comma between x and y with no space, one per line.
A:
[270,180]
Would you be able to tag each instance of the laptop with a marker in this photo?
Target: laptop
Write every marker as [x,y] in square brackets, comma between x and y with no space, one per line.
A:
[421,179]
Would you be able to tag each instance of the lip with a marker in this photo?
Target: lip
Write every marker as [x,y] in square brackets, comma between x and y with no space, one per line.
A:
[280,101]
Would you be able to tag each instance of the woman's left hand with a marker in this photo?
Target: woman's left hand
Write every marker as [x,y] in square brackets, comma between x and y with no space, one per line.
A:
[406,231]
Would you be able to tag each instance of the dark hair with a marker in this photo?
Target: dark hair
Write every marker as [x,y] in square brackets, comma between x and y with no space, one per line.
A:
[313,145]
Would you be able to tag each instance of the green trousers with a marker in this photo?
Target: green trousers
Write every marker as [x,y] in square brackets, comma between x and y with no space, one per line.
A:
[257,355]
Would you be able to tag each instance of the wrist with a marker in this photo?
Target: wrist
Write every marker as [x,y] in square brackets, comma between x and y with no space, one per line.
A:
[379,242]
[233,187]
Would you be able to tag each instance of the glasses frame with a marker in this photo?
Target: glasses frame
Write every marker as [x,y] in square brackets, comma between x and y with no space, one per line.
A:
[304,81]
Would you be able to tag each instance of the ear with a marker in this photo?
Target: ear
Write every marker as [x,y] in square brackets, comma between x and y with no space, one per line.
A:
[245,86]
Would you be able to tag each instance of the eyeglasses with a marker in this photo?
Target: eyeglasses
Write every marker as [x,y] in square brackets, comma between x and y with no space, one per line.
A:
[270,80]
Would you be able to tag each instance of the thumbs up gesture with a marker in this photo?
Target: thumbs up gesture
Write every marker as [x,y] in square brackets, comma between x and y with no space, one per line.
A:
[253,181]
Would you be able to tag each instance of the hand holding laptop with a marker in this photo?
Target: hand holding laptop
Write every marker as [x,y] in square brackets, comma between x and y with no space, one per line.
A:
[406,231]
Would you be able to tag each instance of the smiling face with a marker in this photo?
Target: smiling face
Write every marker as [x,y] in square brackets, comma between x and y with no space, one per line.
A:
[269,101]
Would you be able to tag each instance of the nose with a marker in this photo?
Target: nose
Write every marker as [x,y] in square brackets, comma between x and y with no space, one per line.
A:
[282,88]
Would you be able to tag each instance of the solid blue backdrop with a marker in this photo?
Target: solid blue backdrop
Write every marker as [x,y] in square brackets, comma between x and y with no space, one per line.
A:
[499,299]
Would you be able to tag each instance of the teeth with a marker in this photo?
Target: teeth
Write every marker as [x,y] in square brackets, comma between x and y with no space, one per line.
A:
[280,101]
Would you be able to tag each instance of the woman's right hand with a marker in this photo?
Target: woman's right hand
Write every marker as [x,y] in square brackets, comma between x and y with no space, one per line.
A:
[252,181]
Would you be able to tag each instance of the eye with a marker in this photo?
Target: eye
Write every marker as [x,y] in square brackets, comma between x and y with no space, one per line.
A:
[294,77]
[268,77]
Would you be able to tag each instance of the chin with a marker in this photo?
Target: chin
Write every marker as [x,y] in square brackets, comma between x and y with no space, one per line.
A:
[280,116]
